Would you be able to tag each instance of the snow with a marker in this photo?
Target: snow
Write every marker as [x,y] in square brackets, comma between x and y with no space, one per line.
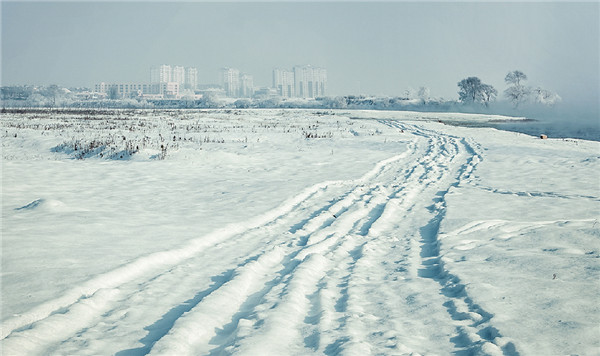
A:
[295,232]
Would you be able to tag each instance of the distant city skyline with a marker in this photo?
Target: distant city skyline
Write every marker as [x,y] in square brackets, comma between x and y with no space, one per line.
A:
[368,48]
[174,82]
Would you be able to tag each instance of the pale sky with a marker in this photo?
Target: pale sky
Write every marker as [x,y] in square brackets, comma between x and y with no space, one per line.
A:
[367,47]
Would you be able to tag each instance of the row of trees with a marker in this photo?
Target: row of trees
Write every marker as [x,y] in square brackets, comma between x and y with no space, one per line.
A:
[473,91]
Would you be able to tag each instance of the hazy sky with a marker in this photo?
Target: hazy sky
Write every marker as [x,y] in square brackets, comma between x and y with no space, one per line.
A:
[377,48]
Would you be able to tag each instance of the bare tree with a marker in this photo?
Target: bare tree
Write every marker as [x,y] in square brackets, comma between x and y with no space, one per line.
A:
[515,77]
[488,94]
[472,90]
[516,92]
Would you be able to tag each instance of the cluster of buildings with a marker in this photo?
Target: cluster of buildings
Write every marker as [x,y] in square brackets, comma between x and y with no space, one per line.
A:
[237,84]
[187,77]
[300,82]
[166,81]
[175,82]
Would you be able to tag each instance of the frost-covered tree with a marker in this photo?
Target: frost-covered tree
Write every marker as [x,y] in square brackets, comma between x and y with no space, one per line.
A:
[472,90]
[338,102]
[488,94]
[51,92]
[469,89]
[423,94]
[16,92]
[242,103]
[517,92]
[37,100]
[113,93]
[515,77]
[546,97]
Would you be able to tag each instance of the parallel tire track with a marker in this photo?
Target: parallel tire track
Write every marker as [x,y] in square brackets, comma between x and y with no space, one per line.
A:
[306,275]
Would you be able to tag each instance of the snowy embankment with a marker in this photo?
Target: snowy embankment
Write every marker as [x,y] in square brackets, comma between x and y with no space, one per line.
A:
[295,232]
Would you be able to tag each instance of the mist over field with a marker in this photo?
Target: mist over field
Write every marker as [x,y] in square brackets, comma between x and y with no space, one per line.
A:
[562,120]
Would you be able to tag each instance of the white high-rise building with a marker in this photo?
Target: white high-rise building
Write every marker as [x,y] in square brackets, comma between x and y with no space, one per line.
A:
[191,78]
[178,75]
[161,74]
[230,78]
[283,82]
[310,82]
[246,86]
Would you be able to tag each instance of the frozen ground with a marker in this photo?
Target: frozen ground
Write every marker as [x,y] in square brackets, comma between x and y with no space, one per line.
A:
[295,232]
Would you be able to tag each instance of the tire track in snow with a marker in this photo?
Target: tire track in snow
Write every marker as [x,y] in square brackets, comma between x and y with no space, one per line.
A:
[214,307]
[475,332]
[323,234]
[321,313]
[312,284]
[538,194]
[154,265]
[353,339]
[59,326]
[302,269]
[321,237]
[342,245]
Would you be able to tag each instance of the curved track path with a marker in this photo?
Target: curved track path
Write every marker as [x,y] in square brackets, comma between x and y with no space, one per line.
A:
[343,267]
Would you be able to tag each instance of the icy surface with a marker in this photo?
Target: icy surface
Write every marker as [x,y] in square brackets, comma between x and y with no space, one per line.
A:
[273,232]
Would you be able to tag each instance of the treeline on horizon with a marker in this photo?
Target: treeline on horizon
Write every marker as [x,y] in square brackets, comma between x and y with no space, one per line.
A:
[474,96]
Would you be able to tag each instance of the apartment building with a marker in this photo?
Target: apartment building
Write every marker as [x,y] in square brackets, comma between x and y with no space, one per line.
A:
[309,81]
[283,82]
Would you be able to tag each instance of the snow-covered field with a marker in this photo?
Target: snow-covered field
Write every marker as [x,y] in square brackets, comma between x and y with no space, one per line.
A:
[293,232]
